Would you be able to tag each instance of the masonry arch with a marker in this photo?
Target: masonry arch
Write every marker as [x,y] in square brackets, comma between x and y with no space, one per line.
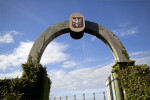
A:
[110,39]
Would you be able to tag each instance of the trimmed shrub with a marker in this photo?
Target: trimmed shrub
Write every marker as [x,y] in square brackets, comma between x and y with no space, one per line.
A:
[135,81]
[33,85]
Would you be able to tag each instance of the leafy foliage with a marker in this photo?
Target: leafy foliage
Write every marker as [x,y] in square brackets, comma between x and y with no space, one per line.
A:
[31,86]
[135,81]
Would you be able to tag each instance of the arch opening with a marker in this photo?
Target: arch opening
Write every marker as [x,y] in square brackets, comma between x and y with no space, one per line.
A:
[79,54]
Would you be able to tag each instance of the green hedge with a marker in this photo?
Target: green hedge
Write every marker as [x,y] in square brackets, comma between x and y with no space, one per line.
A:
[134,80]
[33,85]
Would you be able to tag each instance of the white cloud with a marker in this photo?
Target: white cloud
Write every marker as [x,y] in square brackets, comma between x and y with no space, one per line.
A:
[141,57]
[93,38]
[18,56]
[80,78]
[8,37]
[14,74]
[69,64]
[90,60]
[125,30]
[54,53]
[124,25]
[140,53]
[142,60]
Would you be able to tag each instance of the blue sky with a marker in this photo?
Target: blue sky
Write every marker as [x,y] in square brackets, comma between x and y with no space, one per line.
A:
[81,66]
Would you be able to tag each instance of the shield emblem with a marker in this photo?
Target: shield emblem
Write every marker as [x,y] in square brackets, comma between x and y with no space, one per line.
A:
[77,22]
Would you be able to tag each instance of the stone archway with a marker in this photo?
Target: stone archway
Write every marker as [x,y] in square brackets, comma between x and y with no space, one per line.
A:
[76,26]
[92,28]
